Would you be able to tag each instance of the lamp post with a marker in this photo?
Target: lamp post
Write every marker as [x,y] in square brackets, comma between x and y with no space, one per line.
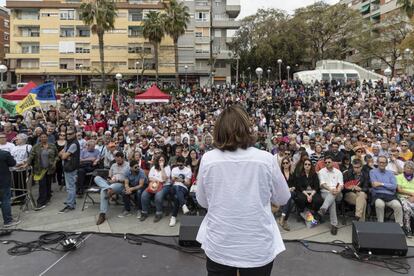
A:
[279,61]
[186,69]
[118,76]
[137,67]
[288,70]
[268,74]
[81,81]
[250,74]
[407,52]
[3,69]
[387,73]
[259,72]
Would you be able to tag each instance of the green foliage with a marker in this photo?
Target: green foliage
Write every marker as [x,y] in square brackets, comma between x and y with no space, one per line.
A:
[407,6]
[316,32]
[100,15]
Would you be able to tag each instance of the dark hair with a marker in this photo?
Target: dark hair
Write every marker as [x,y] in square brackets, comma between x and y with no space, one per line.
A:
[157,161]
[119,154]
[312,168]
[232,130]
[357,162]
[327,156]
[132,163]
[181,159]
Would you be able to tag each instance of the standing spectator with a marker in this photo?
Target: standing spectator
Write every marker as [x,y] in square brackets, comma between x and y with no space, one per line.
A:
[71,159]
[6,162]
[383,192]
[60,145]
[9,132]
[43,158]
[20,153]
[181,179]
[289,177]
[331,182]
[4,145]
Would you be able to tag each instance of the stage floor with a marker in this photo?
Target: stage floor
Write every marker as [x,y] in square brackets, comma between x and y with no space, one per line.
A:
[104,255]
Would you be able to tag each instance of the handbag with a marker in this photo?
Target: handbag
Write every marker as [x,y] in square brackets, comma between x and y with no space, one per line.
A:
[154,187]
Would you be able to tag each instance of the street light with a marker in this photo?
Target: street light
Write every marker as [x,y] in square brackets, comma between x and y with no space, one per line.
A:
[186,68]
[268,74]
[3,69]
[250,74]
[259,72]
[118,76]
[288,70]
[279,61]
[80,67]
[387,73]
[137,67]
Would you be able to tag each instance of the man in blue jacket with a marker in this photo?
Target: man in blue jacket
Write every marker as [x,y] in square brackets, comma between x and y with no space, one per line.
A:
[6,161]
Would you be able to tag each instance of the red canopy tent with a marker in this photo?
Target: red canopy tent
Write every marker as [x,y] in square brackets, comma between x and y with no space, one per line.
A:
[153,95]
[21,93]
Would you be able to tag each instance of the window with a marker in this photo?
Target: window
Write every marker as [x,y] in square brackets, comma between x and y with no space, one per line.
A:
[28,48]
[6,36]
[198,34]
[84,32]
[67,14]
[82,48]
[67,32]
[135,15]
[202,16]
[6,23]
[135,31]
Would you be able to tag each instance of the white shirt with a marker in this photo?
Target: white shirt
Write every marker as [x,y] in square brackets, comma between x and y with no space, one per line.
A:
[331,178]
[237,188]
[21,153]
[153,173]
[185,173]
[7,147]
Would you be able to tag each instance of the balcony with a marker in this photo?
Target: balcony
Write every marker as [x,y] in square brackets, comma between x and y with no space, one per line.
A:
[202,6]
[226,23]
[202,40]
[224,54]
[202,54]
[233,10]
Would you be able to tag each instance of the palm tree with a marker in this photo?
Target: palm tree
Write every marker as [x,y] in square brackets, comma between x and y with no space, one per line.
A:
[407,6]
[154,31]
[176,20]
[100,15]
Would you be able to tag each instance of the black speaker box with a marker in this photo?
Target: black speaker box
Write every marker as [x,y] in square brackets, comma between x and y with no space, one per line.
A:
[189,226]
[379,238]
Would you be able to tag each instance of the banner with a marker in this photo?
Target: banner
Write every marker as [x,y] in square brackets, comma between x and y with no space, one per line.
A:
[27,103]
[45,92]
[8,106]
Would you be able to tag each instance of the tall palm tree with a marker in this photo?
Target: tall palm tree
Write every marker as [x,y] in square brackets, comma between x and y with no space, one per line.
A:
[100,15]
[407,6]
[176,20]
[154,31]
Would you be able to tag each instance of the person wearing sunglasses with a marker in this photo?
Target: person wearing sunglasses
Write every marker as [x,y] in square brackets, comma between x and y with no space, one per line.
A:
[135,183]
[287,208]
[331,182]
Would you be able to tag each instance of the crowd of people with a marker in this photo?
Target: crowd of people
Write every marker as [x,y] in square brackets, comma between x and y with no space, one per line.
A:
[333,141]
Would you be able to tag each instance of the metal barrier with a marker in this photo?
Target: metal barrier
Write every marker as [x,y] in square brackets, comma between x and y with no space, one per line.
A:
[21,187]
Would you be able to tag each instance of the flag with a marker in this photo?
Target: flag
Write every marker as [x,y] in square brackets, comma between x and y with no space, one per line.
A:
[27,103]
[114,103]
[45,92]
[8,106]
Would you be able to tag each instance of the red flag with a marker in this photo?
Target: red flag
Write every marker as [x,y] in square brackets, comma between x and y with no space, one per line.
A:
[114,103]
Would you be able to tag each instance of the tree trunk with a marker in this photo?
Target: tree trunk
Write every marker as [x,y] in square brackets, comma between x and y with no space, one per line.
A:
[156,61]
[102,60]
[177,76]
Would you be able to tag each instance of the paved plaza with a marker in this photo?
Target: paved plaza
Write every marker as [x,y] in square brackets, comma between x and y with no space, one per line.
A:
[48,219]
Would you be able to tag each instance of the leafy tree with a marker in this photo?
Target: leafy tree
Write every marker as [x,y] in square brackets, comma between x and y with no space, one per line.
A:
[176,20]
[100,15]
[154,31]
[407,6]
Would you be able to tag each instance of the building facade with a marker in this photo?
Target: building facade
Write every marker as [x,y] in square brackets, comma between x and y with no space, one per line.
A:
[48,41]
[4,34]
[204,55]
[376,11]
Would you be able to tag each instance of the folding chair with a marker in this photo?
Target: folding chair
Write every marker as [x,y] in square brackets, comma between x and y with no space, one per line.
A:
[93,189]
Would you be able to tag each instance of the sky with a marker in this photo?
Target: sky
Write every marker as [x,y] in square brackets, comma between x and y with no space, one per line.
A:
[249,7]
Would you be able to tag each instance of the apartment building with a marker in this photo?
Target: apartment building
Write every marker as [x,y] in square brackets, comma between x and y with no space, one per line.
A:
[4,34]
[48,41]
[204,55]
[376,11]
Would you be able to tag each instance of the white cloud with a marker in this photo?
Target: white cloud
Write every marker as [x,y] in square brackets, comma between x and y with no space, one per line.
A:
[249,7]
